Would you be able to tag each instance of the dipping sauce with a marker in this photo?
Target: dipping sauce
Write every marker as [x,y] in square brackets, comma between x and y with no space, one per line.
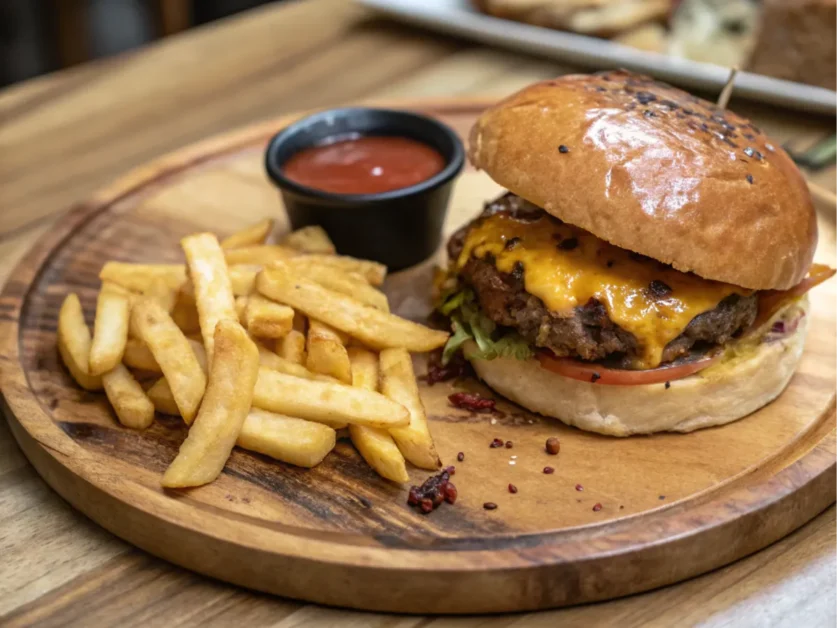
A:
[364,165]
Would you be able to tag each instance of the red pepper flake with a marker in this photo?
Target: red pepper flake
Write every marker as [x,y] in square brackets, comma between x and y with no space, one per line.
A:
[509,444]
[548,470]
[460,456]
[579,487]
[512,488]
[472,401]
[597,508]
[490,506]
[435,490]
[497,442]
[553,446]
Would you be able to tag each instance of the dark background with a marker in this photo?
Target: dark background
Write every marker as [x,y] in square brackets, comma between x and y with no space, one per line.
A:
[39,36]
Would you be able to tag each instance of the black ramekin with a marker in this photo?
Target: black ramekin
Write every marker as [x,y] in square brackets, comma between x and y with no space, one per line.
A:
[398,228]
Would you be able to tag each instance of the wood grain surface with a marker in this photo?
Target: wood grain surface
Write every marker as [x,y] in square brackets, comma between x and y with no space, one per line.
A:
[63,136]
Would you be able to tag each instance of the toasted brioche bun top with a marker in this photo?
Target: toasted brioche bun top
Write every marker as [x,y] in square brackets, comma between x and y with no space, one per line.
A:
[655,170]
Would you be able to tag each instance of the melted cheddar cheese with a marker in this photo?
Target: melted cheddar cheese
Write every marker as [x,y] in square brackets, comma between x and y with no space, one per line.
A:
[566,266]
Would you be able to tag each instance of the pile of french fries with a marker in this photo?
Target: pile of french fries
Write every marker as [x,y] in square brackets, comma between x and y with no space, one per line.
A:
[268,347]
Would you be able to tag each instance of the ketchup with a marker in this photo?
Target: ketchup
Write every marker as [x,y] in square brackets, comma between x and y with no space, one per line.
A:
[364,165]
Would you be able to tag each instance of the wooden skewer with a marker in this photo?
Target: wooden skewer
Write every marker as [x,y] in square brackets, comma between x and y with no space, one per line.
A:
[821,195]
[723,99]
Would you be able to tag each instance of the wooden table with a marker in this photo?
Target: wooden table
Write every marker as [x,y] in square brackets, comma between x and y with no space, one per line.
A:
[64,135]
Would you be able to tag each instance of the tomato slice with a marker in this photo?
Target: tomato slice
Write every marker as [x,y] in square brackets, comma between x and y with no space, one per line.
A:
[598,374]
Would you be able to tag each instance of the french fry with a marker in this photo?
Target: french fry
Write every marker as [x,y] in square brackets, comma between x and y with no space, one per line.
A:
[138,277]
[376,329]
[173,353]
[311,239]
[213,291]
[295,441]
[254,234]
[74,343]
[110,331]
[137,355]
[243,278]
[325,402]
[375,445]
[270,360]
[132,406]
[373,272]
[261,254]
[292,347]
[185,314]
[162,397]
[349,283]
[266,318]
[398,382]
[326,352]
[226,404]
[241,309]
[160,291]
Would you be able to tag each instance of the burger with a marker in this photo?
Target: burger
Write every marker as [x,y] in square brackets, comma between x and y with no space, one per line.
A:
[646,270]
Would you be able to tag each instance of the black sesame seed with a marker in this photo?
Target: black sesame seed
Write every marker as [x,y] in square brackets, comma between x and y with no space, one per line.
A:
[759,156]
[610,263]
[750,179]
[563,149]
[569,244]
[668,385]
[595,377]
[649,114]
[645,97]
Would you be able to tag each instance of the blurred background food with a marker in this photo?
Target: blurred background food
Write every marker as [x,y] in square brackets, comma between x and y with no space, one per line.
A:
[788,39]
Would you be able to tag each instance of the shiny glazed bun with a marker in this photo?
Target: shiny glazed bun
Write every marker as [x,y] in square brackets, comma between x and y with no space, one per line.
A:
[712,397]
[657,171]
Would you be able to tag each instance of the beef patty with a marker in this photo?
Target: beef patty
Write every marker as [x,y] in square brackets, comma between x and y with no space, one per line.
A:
[587,332]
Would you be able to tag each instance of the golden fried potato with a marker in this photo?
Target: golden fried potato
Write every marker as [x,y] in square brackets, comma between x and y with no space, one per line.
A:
[74,343]
[375,445]
[398,382]
[229,393]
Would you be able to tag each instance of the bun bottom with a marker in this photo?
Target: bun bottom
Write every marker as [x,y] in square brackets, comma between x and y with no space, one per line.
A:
[737,387]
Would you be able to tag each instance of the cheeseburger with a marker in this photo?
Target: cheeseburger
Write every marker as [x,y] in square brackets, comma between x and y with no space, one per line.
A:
[647,268]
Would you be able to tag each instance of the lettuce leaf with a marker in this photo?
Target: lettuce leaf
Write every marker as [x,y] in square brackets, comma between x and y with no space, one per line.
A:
[469,323]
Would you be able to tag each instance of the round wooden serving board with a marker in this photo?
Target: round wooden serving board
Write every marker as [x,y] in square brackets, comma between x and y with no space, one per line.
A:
[673,505]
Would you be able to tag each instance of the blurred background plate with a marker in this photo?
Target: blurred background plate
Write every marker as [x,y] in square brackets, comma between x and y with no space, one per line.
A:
[459,17]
